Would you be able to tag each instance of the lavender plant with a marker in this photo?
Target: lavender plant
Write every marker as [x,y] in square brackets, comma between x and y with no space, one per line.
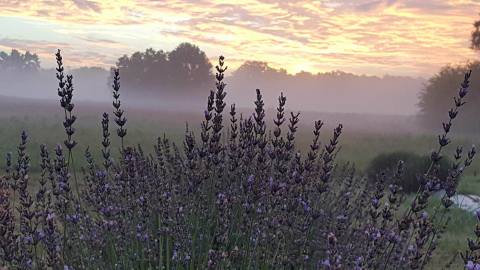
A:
[239,197]
[120,118]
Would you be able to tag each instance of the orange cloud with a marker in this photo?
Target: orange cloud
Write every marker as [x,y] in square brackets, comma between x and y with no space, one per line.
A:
[407,37]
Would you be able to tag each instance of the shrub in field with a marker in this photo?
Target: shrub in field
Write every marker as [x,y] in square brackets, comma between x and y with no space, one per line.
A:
[238,196]
[415,166]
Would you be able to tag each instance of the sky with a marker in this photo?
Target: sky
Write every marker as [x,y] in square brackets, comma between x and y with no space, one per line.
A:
[373,37]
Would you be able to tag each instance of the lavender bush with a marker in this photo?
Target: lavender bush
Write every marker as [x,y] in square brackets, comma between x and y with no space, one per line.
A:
[238,197]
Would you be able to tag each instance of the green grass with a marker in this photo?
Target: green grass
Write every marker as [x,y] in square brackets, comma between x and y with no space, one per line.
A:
[469,185]
[359,148]
[454,240]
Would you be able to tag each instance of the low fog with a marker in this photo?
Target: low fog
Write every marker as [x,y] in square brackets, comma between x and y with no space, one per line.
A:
[90,84]
[335,92]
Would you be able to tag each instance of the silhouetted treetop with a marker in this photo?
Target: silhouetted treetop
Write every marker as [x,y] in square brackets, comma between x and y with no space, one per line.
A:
[263,69]
[17,61]
[440,90]
[475,41]
[186,68]
[258,68]
[190,65]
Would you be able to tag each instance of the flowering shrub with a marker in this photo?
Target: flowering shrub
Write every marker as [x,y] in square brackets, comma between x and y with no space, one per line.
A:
[237,197]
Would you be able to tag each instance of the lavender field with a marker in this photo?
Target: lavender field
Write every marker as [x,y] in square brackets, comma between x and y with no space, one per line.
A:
[254,134]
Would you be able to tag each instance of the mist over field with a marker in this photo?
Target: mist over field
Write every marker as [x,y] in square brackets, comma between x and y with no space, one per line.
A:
[91,83]
[333,92]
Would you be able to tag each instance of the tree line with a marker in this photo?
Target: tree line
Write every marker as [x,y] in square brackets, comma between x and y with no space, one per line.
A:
[184,69]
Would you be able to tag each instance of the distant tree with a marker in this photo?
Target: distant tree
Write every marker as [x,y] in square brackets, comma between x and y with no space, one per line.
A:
[186,68]
[16,61]
[440,89]
[144,69]
[475,41]
[189,65]
[437,96]
[253,69]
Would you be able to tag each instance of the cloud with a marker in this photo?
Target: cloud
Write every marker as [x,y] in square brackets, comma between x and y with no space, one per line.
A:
[99,40]
[32,45]
[407,37]
[87,5]
[359,5]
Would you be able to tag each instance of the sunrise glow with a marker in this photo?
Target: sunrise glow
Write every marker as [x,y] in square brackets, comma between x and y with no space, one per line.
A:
[379,37]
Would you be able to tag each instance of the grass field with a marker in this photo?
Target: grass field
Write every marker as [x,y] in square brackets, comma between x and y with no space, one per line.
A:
[359,147]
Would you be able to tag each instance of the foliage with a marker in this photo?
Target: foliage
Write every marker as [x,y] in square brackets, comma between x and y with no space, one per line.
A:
[475,36]
[415,166]
[19,62]
[237,197]
[253,69]
[184,69]
[437,95]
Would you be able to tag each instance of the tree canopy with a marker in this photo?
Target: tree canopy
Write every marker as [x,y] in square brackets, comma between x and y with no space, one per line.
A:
[475,38]
[17,61]
[437,97]
[184,69]
[250,68]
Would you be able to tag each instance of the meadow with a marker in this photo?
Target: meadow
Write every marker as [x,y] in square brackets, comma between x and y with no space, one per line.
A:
[367,136]
[230,193]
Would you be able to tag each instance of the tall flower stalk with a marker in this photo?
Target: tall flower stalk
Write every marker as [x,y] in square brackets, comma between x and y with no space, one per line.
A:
[120,119]
[65,92]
